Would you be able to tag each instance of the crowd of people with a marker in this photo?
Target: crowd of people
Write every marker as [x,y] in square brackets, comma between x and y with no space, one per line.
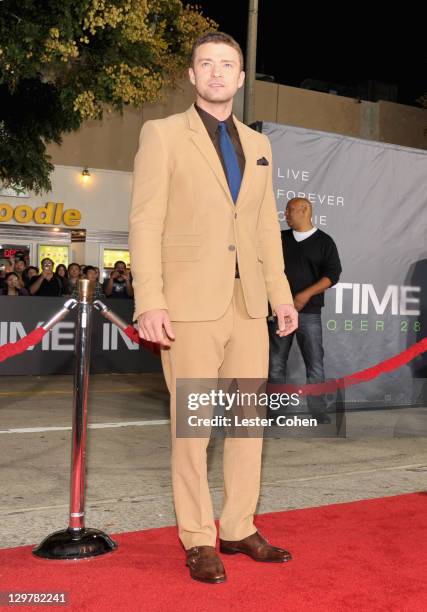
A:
[18,279]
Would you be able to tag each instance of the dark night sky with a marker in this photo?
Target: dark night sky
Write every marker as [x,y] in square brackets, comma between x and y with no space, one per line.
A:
[345,47]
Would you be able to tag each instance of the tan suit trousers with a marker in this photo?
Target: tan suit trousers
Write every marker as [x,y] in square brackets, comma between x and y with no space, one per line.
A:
[234,345]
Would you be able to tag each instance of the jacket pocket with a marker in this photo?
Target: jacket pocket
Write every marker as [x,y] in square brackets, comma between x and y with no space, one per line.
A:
[181,240]
[181,247]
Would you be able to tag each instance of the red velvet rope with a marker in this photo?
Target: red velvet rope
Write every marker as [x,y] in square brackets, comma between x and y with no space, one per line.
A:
[15,348]
[36,336]
[327,387]
[131,332]
[358,377]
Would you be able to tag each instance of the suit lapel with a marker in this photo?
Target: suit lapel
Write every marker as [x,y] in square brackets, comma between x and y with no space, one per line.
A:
[249,149]
[203,142]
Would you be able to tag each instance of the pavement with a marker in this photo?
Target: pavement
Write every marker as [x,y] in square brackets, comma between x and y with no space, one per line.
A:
[128,485]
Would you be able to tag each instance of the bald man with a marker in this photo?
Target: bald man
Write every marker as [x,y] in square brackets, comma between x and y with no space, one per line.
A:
[312,266]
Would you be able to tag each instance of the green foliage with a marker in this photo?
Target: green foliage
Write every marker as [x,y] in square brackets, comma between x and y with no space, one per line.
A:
[64,61]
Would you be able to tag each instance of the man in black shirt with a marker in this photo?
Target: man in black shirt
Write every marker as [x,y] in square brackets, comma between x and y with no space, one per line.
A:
[119,285]
[46,284]
[312,266]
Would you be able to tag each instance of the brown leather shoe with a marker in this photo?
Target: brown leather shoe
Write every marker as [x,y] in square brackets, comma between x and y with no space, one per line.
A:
[205,565]
[256,547]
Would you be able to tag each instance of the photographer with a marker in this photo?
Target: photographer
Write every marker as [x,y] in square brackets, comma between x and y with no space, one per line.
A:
[119,285]
[46,284]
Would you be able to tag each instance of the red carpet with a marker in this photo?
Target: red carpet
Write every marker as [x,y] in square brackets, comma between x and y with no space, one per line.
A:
[362,556]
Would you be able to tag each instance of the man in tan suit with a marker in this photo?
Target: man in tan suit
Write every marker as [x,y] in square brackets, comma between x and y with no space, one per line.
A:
[206,258]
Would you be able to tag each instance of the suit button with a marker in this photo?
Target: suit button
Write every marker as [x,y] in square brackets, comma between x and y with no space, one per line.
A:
[231,247]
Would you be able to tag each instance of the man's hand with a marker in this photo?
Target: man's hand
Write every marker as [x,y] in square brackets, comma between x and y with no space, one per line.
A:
[301,299]
[287,319]
[47,274]
[155,326]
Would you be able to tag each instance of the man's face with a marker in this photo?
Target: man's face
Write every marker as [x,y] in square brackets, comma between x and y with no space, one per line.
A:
[19,266]
[216,73]
[47,265]
[294,214]
[91,275]
[32,272]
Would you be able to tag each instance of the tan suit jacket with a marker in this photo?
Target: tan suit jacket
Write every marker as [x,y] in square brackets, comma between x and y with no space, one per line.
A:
[186,232]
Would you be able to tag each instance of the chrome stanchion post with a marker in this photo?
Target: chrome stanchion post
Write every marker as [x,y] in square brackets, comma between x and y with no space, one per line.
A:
[81,386]
[68,306]
[108,314]
[78,542]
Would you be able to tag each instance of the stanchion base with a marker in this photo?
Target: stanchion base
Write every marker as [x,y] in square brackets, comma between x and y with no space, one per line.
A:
[75,544]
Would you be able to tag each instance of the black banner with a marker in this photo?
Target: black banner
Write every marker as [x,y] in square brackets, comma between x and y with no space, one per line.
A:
[111,351]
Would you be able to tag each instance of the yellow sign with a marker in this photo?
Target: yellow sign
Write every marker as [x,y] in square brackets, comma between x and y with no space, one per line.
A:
[52,213]
[57,253]
[113,255]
